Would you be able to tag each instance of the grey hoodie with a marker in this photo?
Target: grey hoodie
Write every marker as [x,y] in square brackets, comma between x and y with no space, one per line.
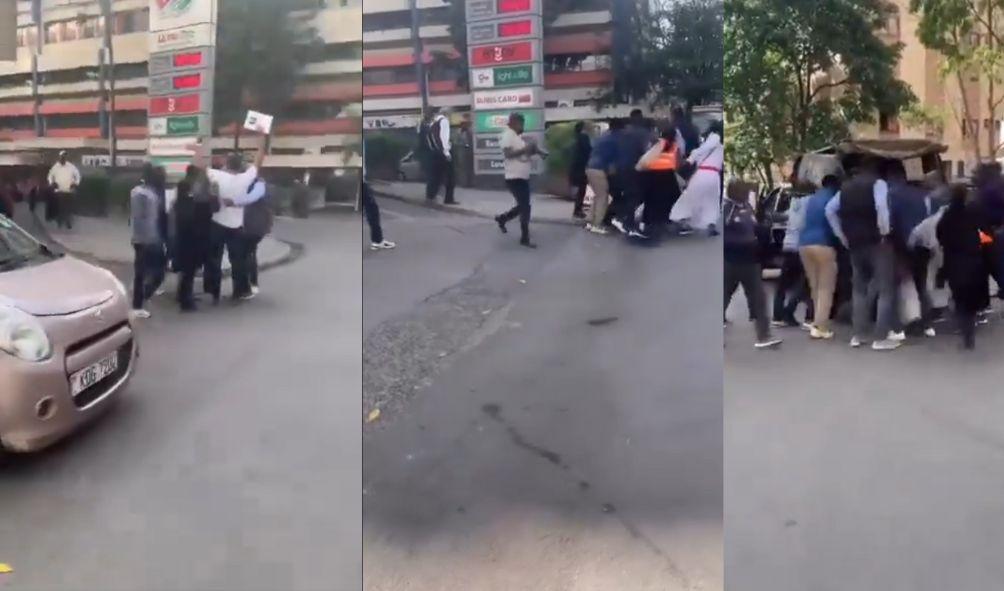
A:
[144,209]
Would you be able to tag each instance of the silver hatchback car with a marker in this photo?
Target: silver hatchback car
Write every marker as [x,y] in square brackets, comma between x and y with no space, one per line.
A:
[67,345]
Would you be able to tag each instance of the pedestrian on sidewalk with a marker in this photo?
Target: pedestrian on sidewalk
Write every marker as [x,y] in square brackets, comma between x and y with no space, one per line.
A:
[859,216]
[742,261]
[194,209]
[581,150]
[634,142]
[965,265]
[226,232]
[700,205]
[657,170]
[517,152]
[147,239]
[64,178]
[441,159]
[599,173]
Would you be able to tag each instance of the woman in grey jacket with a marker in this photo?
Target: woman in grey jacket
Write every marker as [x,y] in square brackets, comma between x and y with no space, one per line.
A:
[146,211]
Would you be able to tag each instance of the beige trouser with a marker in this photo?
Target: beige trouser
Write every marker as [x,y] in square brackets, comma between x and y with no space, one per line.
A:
[601,194]
[820,264]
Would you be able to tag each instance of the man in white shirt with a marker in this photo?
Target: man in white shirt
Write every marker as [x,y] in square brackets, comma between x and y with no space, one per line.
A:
[441,159]
[517,152]
[64,178]
[232,185]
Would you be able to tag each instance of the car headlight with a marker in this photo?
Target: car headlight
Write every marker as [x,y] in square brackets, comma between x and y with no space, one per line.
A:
[22,336]
[119,286]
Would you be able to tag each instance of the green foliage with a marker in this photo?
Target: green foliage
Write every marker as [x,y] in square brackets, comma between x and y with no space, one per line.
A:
[260,54]
[559,141]
[799,73]
[383,153]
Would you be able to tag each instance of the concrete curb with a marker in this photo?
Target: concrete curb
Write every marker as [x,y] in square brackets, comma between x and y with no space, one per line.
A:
[460,210]
[296,250]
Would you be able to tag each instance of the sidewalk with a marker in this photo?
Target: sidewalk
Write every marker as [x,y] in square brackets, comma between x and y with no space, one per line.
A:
[108,241]
[479,202]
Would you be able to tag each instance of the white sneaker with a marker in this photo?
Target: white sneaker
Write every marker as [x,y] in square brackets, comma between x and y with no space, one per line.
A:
[886,345]
[636,234]
[385,245]
[616,223]
[898,337]
[768,344]
[930,332]
[140,313]
[598,230]
[255,290]
[816,333]
[855,342]
[160,291]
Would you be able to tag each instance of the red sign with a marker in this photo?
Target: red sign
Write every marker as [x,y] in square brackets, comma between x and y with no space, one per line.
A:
[515,28]
[187,60]
[175,105]
[187,81]
[506,6]
[488,55]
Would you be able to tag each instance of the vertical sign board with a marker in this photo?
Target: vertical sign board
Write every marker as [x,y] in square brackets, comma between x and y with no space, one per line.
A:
[8,30]
[505,45]
[182,62]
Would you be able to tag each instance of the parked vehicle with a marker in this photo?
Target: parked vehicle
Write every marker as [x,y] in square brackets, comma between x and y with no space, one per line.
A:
[67,345]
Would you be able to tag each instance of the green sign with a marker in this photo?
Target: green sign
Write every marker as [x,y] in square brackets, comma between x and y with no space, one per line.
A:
[496,121]
[183,125]
[514,75]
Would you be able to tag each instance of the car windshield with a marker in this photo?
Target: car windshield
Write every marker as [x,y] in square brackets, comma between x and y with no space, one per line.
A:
[17,247]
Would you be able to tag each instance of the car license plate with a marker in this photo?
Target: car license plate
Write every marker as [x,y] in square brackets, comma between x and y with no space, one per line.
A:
[93,374]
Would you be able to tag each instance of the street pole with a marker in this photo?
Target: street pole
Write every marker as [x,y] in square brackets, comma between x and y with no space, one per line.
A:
[36,15]
[416,38]
[106,13]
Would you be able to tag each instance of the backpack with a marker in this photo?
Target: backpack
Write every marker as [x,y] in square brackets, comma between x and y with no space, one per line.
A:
[258,215]
[740,228]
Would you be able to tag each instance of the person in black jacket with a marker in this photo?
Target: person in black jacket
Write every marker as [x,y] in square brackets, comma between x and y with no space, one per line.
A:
[742,236]
[193,210]
[581,151]
[965,268]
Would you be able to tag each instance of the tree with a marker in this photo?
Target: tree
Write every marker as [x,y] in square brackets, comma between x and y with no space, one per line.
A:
[260,55]
[968,33]
[800,73]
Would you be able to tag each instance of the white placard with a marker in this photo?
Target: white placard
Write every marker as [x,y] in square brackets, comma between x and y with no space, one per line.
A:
[259,122]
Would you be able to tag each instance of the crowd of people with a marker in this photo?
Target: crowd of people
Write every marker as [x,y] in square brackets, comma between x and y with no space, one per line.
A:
[872,241]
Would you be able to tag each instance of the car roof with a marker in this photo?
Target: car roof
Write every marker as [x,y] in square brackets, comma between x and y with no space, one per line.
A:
[895,149]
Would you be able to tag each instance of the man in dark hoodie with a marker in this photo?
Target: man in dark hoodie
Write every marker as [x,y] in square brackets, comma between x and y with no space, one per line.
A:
[632,145]
[990,211]
[907,209]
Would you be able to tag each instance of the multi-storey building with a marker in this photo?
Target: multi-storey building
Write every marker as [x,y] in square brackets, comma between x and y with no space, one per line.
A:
[921,69]
[57,104]
[577,62]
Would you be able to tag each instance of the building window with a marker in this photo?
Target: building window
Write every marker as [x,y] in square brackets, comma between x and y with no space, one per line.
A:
[888,123]
[960,170]
[54,32]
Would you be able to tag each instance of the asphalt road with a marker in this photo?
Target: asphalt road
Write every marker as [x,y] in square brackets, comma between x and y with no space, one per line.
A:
[234,460]
[550,419]
[854,469]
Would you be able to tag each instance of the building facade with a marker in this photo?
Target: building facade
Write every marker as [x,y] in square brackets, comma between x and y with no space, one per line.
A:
[577,62]
[54,100]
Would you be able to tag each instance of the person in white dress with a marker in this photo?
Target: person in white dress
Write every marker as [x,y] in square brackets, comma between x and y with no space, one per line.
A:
[699,206]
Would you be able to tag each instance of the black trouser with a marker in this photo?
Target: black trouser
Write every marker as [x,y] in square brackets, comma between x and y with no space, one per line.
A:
[749,276]
[520,189]
[630,199]
[232,240]
[372,211]
[920,265]
[251,259]
[441,171]
[661,190]
[967,326]
[578,180]
[148,273]
[64,209]
[792,288]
